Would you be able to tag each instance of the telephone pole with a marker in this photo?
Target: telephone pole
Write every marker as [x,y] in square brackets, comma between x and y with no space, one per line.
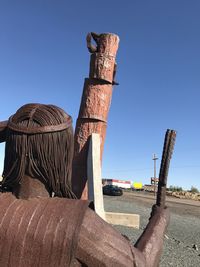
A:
[154,159]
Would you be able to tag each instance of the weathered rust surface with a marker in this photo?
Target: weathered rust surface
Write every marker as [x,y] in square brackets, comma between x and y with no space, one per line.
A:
[95,104]
[62,232]
[102,61]
[111,249]
[59,232]
[150,242]
[39,143]
[96,100]
[164,168]
[102,67]
[39,232]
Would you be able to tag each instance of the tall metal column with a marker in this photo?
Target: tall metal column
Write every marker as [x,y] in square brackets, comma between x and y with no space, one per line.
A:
[95,104]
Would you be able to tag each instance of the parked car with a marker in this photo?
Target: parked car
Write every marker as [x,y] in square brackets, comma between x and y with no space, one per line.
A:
[112,190]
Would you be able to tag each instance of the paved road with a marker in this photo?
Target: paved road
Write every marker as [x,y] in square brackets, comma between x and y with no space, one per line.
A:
[183,232]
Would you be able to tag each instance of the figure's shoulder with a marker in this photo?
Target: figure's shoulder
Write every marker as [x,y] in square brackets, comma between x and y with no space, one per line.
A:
[59,203]
[42,223]
[58,209]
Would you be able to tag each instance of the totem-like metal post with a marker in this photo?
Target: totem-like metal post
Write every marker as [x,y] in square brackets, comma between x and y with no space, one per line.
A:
[95,104]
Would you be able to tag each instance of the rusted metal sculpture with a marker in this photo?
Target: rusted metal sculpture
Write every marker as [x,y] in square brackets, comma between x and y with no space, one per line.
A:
[40,231]
[46,231]
[38,144]
[37,229]
[95,104]
[164,168]
[150,242]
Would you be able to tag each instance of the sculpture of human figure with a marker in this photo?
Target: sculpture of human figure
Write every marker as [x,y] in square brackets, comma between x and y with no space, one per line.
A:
[41,222]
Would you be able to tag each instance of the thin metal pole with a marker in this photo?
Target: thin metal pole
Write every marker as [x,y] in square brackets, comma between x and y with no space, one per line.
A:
[154,159]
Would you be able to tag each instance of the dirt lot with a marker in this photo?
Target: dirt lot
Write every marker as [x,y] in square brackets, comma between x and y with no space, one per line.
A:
[177,206]
[182,245]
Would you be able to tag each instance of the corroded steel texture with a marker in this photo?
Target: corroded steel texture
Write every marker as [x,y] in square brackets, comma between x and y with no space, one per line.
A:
[64,232]
[96,99]
[102,67]
[84,128]
[60,232]
[95,104]
[150,242]
[164,168]
[39,232]
[102,62]
[106,43]
[39,142]
[101,245]
[88,128]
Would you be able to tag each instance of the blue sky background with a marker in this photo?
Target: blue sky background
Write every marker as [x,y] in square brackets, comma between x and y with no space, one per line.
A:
[43,58]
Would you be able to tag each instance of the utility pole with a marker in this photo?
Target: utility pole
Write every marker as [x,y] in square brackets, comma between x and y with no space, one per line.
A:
[154,159]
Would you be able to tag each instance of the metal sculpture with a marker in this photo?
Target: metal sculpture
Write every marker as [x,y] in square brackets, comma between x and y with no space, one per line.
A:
[40,232]
[37,229]
[63,232]
[95,104]
[164,168]
[150,242]
[38,144]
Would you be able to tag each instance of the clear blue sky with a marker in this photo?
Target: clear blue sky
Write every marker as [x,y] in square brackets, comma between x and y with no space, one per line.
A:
[43,58]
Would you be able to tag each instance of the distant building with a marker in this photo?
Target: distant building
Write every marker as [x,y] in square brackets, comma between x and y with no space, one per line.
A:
[119,183]
[153,187]
[154,181]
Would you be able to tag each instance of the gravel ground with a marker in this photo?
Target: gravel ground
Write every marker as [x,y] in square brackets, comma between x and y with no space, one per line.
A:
[182,247]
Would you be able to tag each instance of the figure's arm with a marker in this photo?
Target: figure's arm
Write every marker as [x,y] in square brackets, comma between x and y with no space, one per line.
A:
[101,245]
[150,242]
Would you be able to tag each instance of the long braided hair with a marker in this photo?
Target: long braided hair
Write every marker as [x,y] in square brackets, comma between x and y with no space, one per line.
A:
[39,143]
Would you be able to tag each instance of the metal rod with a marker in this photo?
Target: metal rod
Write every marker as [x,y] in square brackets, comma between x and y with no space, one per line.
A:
[168,148]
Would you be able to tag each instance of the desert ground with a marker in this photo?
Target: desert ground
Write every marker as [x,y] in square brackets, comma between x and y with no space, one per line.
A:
[182,241]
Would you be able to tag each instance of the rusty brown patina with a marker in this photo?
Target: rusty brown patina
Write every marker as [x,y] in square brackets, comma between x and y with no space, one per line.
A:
[44,231]
[95,104]
[150,242]
[37,229]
